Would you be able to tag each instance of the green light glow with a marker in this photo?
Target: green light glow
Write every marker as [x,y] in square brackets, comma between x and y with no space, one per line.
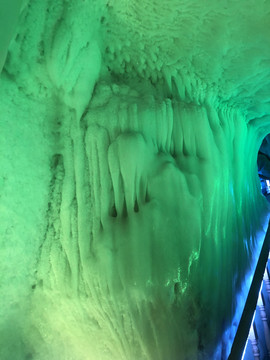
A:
[9,13]
[130,201]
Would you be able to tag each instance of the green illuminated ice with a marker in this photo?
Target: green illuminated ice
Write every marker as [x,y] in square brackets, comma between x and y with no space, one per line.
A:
[131,211]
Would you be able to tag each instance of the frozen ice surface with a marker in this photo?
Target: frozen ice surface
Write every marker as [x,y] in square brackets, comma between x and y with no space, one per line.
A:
[131,212]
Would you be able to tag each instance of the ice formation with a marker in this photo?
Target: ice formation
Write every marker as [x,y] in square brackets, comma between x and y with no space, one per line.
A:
[131,212]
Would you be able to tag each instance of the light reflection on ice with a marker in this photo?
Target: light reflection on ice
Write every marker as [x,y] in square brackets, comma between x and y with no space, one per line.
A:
[241,298]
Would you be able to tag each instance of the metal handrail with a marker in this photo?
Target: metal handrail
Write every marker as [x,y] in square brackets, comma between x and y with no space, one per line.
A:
[251,302]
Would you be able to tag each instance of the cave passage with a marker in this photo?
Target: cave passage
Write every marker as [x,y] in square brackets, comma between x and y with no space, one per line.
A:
[263,162]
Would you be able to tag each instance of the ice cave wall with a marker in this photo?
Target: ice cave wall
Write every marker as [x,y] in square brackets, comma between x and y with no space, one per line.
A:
[9,14]
[130,199]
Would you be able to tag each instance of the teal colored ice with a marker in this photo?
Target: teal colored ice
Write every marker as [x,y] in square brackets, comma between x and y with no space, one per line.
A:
[131,210]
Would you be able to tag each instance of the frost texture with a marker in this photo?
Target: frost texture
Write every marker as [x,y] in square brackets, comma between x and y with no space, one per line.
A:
[131,204]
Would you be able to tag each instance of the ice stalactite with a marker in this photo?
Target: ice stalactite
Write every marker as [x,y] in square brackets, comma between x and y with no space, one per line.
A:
[150,223]
[154,205]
